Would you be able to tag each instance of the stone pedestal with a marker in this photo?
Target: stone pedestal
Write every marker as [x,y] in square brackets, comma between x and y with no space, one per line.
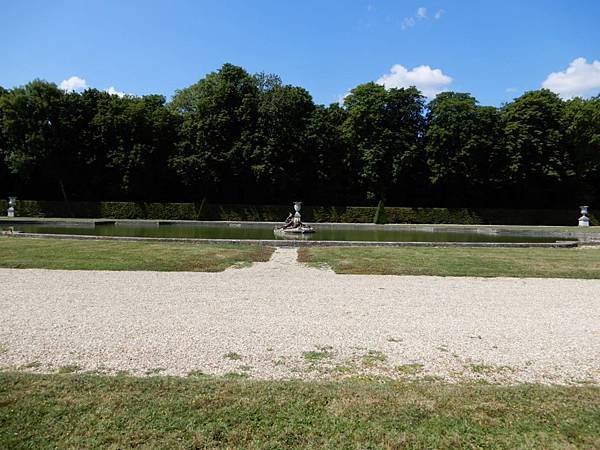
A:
[12,201]
[297,206]
[584,220]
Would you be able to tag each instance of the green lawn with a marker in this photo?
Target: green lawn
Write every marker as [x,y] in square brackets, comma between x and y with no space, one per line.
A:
[110,255]
[91,411]
[480,262]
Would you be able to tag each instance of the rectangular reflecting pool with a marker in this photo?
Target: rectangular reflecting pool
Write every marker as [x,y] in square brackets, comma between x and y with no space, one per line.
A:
[265,232]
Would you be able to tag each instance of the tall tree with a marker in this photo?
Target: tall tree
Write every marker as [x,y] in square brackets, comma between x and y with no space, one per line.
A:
[219,116]
[35,128]
[533,139]
[138,136]
[4,174]
[385,128]
[461,144]
[328,168]
[582,142]
[280,160]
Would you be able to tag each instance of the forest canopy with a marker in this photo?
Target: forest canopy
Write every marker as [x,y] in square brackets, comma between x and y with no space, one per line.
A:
[234,137]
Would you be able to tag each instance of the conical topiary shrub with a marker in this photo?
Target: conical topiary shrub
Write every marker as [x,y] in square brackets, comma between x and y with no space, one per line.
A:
[380,216]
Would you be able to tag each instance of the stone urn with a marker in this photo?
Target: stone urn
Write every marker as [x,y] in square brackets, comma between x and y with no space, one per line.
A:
[584,220]
[12,202]
[297,206]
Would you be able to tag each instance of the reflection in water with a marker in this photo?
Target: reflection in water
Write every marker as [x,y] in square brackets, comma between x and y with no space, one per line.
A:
[246,232]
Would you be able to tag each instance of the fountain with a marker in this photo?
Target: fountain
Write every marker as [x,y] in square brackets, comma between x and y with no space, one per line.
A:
[584,220]
[12,202]
[293,224]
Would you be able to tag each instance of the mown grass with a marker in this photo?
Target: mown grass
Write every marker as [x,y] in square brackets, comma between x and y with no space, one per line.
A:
[479,262]
[92,411]
[109,255]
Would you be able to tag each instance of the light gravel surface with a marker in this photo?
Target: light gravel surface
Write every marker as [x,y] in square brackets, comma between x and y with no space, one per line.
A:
[283,320]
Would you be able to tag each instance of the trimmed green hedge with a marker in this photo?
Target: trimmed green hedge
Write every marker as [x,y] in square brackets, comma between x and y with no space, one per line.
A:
[110,210]
[277,213]
[256,213]
[465,216]
[380,214]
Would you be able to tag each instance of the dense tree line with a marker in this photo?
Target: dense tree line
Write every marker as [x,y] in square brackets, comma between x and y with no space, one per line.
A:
[238,138]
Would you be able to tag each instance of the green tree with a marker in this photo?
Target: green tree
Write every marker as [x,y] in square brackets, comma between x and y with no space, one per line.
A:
[533,138]
[384,128]
[136,138]
[280,160]
[582,142]
[36,130]
[461,144]
[328,169]
[219,116]
[5,184]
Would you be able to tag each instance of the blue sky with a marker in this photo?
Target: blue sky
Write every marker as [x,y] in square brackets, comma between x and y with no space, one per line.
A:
[493,49]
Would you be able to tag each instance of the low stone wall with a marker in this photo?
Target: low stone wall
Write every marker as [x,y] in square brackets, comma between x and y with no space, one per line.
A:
[573,232]
[303,243]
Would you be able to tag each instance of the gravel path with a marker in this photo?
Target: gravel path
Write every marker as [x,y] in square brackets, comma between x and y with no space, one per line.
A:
[283,320]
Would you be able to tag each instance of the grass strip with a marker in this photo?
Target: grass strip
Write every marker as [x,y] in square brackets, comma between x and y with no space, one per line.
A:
[475,262]
[93,411]
[25,253]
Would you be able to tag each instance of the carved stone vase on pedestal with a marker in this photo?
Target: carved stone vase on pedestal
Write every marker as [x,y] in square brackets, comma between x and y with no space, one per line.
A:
[12,202]
[584,220]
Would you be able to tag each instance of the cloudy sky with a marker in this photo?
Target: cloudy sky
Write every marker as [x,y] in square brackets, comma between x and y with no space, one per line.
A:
[493,49]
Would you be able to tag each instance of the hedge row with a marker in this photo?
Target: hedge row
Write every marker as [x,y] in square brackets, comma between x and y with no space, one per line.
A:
[110,210]
[276,213]
[466,216]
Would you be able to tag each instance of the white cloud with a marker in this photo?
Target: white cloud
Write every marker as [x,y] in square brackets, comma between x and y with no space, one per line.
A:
[510,90]
[421,14]
[73,84]
[408,22]
[429,81]
[112,91]
[342,98]
[581,79]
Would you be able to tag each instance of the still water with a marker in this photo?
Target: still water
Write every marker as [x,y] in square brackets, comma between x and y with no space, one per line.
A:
[237,231]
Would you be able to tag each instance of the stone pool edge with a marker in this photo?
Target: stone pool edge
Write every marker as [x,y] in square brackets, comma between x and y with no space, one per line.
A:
[300,242]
